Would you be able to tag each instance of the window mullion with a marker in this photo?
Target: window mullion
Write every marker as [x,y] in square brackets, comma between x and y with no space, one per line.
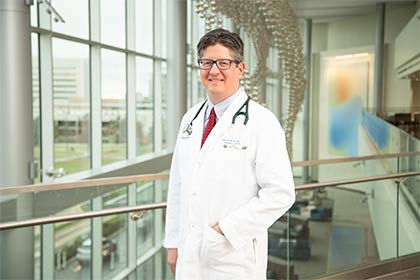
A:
[95,84]
[131,80]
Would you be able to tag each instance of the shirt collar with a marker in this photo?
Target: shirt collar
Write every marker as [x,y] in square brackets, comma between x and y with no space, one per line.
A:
[220,107]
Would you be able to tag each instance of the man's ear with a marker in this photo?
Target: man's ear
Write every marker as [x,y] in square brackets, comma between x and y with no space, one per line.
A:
[241,68]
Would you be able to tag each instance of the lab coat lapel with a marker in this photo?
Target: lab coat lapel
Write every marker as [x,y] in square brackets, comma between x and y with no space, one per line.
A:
[224,123]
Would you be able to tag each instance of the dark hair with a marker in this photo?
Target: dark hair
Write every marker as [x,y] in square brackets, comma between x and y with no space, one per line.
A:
[228,39]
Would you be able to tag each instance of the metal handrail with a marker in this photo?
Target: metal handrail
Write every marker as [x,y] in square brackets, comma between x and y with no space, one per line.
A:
[164,176]
[145,207]
[355,181]
[79,216]
[83,184]
[350,159]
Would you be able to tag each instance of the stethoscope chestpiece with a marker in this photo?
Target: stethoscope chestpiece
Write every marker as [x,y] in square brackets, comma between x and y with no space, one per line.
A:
[187,129]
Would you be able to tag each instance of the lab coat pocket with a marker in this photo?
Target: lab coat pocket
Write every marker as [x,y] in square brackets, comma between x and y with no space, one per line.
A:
[214,247]
[213,239]
[218,255]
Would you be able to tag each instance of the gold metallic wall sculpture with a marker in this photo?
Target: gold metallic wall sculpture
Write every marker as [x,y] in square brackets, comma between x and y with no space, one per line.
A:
[268,23]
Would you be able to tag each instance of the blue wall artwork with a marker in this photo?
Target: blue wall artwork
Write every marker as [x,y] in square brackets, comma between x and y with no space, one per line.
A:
[347,85]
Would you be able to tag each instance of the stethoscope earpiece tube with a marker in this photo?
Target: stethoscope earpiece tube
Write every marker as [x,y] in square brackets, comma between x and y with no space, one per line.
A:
[188,127]
[238,113]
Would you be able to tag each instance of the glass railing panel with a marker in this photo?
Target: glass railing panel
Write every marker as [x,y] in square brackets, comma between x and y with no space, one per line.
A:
[146,270]
[72,250]
[59,202]
[16,207]
[408,163]
[375,137]
[166,271]
[114,196]
[164,191]
[154,268]
[73,242]
[37,252]
[387,137]
[410,187]
[329,230]
[73,253]
[114,234]
[145,224]
[19,242]
[335,229]
[408,215]
[69,238]
[351,170]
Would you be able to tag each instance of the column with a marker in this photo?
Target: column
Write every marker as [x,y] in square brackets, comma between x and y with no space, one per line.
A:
[16,141]
[379,59]
[306,108]
[177,66]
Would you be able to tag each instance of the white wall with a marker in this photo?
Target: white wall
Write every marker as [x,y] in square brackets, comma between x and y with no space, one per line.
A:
[360,31]
[397,91]
[354,33]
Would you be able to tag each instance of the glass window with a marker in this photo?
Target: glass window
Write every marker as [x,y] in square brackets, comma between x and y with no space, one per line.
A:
[164,35]
[113,22]
[114,113]
[76,16]
[36,102]
[71,106]
[144,105]
[114,235]
[144,26]
[164,74]
[190,88]
[190,44]
[34,14]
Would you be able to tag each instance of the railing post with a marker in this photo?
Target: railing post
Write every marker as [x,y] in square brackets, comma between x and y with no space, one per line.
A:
[158,229]
[288,245]
[132,228]
[398,181]
[96,238]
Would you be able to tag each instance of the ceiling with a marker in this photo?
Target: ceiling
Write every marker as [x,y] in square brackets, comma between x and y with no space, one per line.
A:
[329,10]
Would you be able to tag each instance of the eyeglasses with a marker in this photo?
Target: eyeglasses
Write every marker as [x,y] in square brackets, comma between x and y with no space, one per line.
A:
[222,64]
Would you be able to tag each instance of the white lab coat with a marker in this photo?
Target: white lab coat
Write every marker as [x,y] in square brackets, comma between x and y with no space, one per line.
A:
[241,178]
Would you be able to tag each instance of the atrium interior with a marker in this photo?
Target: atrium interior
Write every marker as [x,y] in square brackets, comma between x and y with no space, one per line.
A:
[92,93]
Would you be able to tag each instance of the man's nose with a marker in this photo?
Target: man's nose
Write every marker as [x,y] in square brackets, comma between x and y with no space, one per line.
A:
[214,69]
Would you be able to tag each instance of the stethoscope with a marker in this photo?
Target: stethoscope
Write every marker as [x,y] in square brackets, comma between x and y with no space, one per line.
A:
[188,128]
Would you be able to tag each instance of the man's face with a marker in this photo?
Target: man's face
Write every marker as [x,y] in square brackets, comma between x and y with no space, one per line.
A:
[220,84]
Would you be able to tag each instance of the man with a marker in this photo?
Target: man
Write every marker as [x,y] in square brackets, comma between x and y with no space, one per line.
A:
[230,177]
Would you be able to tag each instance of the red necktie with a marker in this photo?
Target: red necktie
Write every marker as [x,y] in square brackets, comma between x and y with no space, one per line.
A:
[210,124]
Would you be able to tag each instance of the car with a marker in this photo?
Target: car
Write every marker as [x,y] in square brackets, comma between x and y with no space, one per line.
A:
[83,255]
